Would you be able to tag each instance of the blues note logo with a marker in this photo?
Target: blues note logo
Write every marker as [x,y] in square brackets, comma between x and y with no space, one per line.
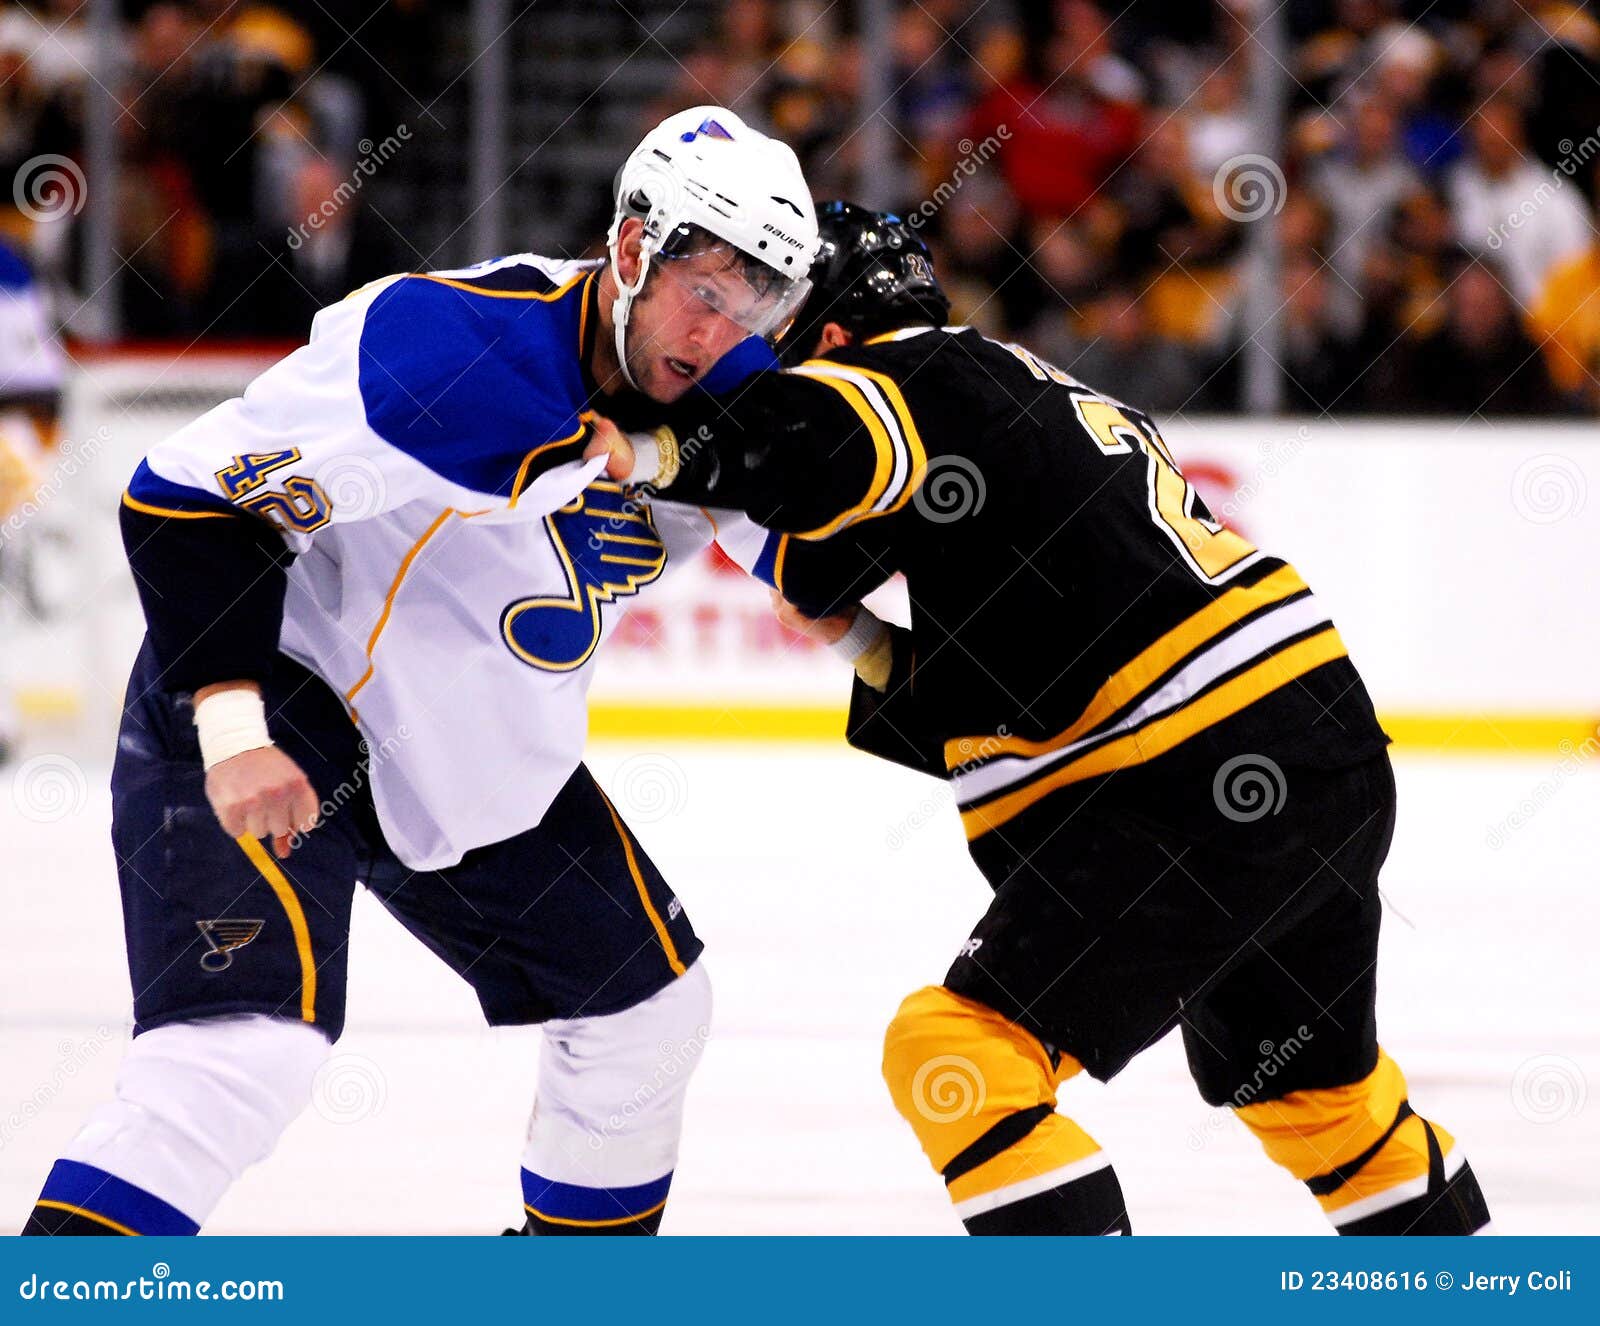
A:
[610,549]
[222,937]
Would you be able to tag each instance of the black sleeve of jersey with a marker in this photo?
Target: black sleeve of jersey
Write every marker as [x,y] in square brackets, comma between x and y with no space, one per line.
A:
[888,723]
[792,452]
[826,576]
[212,591]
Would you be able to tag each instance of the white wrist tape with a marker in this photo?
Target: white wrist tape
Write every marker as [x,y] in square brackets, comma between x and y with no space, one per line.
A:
[230,722]
[646,458]
[657,457]
[865,631]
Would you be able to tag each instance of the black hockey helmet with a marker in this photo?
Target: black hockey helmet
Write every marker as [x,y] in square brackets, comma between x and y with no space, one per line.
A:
[872,274]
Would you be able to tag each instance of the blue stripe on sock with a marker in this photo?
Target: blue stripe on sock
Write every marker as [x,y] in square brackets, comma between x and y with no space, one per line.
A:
[569,1201]
[95,1191]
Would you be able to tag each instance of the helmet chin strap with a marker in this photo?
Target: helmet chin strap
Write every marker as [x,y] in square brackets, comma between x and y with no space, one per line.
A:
[622,306]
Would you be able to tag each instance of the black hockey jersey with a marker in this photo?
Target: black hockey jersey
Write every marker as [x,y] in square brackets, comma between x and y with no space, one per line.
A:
[1075,607]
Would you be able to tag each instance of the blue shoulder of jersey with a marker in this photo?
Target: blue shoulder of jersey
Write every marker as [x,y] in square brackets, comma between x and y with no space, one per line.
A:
[467,375]
[751,356]
[162,497]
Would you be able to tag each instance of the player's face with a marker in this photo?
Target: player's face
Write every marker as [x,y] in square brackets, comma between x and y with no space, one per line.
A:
[684,321]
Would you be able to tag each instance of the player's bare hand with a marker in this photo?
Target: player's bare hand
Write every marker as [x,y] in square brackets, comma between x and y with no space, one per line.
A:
[265,794]
[611,442]
[825,630]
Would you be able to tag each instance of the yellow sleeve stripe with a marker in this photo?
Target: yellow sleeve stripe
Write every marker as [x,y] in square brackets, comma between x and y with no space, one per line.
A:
[908,426]
[880,441]
[1154,661]
[133,503]
[777,562]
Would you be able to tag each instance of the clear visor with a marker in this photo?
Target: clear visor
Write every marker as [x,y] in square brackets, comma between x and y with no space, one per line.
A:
[731,283]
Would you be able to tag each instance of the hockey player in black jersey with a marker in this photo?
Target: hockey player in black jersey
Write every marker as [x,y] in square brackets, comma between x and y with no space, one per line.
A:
[1166,765]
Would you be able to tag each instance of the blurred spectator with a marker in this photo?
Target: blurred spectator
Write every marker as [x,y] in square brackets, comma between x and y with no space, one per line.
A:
[1528,215]
[1116,351]
[1361,187]
[53,39]
[1429,134]
[1071,127]
[1219,125]
[275,287]
[1481,361]
[1317,360]
[1566,319]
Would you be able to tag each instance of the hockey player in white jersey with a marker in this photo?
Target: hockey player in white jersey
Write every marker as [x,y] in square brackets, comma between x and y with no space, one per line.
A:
[32,368]
[374,586]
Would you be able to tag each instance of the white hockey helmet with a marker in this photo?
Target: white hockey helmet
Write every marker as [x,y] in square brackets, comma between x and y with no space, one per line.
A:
[706,170]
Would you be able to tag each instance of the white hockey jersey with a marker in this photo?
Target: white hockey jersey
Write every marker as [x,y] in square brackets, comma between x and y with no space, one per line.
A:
[456,605]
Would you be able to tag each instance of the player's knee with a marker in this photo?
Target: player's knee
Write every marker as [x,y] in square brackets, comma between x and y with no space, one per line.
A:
[1373,1164]
[235,1082]
[956,1069]
[611,1088]
[199,1102]
[1314,1130]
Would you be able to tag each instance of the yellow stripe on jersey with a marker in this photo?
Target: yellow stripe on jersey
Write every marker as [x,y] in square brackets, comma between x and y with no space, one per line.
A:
[593,1224]
[908,426]
[273,874]
[388,603]
[662,933]
[857,401]
[1163,734]
[87,1214]
[544,296]
[520,482]
[172,513]
[1153,662]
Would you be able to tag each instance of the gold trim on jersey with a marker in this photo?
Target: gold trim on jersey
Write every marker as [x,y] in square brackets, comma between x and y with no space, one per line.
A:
[1165,731]
[388,604]
[1150,664]
[87,1214]
[172,513]
[273,874]
[662,933]
[520,482]
[543,296]
[902,460]
[593,1224]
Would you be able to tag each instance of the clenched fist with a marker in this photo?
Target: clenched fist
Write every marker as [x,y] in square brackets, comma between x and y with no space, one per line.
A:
[265,794]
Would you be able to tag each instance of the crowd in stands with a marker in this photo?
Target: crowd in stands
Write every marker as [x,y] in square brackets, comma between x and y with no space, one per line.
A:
[235,123]
[1091,176]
